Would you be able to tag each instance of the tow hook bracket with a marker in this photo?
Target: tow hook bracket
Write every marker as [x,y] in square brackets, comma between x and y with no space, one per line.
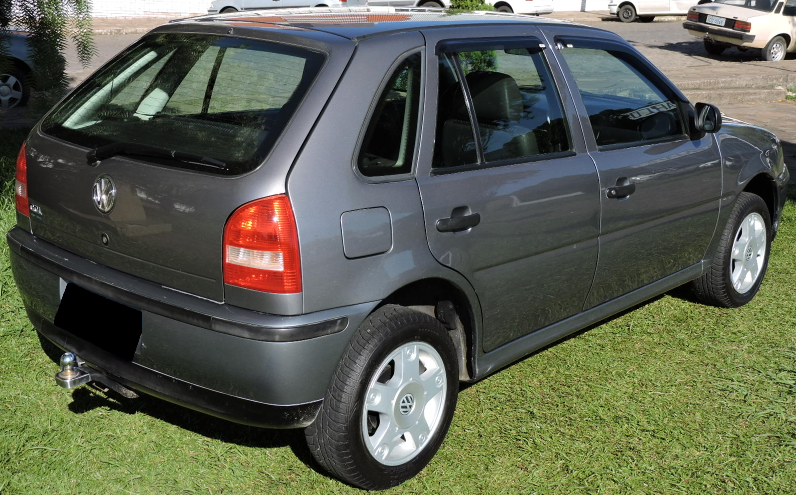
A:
[73,374]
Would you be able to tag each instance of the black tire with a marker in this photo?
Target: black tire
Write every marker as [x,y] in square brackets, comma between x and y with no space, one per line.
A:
[432,5]
[228,10]
[714,48]
[627,13]
[505,8]
[646,18]
[14,88]
[775,49]
[715,287]
[337,438]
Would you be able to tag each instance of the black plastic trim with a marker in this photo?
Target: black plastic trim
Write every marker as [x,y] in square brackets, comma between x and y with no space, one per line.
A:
[727,33]
[151,382]
[191,317]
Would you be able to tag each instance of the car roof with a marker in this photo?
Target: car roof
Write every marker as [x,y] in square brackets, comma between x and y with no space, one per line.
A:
[363,22]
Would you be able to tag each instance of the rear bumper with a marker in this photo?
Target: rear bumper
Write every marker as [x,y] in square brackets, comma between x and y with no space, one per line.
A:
[718,32]
[241,365]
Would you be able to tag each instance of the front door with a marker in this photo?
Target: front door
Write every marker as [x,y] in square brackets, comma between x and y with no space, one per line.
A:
[511,198]
[660,188]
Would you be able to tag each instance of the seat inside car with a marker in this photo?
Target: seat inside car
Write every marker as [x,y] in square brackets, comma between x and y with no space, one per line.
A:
[499,110]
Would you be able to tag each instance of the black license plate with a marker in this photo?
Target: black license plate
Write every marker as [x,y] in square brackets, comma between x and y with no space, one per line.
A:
[107,324]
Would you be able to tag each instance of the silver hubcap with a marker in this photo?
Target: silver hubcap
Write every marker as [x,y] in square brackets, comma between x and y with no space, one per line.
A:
[404,403]
[777,51]
[748,253]
[10,91]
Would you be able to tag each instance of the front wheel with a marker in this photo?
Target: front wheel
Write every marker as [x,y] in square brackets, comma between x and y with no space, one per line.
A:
[775,49]
[14,89]
[741,259]
[432,4]
[228,10]
[627,13]
[505,8]
[390,402]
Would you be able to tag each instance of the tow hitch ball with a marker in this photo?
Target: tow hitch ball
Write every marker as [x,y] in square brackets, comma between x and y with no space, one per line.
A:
[73,374]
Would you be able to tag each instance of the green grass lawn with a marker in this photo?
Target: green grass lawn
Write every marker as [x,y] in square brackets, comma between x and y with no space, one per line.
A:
[673,397]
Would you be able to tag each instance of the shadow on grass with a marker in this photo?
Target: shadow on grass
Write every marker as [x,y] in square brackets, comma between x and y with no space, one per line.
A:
[464,386]
[88,398]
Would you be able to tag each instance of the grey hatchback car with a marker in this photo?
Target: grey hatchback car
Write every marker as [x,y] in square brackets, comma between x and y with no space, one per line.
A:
[329,220]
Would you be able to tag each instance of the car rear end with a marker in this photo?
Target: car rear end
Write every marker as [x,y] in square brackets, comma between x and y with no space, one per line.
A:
[154,236]
[730,24]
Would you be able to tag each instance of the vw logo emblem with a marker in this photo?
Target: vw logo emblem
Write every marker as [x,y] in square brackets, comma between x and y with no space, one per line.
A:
[407,404]
[104,193]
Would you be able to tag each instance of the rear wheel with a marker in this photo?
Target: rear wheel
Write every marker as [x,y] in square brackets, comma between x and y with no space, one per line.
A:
[14,89]
[741,259]
[646,18]
[505,8]
[627,13]
[714,48]
[432,5]
[775,49]
[390,402]
[228,10]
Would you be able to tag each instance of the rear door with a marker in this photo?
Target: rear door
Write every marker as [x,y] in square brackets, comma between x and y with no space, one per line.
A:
[660,188]
[511,198]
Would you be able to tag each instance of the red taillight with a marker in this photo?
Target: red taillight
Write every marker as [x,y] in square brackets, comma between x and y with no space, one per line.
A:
[743,26]
[693,16]
[21,183]
[261,250]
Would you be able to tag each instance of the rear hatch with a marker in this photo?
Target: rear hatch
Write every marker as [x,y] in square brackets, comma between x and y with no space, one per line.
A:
[140,167]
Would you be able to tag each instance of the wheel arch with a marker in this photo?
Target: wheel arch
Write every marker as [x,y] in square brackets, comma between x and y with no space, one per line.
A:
[451,305]
[626,3]
[764,186]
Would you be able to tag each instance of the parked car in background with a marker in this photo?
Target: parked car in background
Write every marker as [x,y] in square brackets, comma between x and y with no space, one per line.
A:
[227,6]
[646,10]
[769,25]
[535,7]
[194,223]
[15,77]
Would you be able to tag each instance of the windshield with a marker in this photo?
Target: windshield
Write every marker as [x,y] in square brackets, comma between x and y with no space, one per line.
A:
[227,99]
[762,5]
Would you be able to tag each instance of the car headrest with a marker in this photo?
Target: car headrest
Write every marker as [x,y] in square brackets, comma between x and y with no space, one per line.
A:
[496,96]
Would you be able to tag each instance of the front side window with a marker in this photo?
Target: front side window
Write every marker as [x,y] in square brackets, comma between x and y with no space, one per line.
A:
[226,99]
[623,104]
[389,143]
[513,111]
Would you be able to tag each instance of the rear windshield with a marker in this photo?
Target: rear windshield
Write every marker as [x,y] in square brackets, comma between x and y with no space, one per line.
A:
[763,5]
[227,99]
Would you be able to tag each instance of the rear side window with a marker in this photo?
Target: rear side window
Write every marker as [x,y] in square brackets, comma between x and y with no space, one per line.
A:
[497,103]
[389,143]
[625,105]
[227,99]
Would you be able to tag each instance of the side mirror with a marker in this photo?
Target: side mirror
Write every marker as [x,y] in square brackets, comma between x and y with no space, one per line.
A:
[707,118]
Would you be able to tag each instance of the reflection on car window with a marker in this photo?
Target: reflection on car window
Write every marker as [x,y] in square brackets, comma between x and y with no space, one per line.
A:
[624,106]
[389,144]
[517,111]
[228,99]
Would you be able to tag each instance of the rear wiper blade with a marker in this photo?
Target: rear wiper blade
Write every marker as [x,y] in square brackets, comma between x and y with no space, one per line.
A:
[97,154]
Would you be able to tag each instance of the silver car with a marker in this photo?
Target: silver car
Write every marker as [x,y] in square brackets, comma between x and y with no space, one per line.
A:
[329,221]
[15,76]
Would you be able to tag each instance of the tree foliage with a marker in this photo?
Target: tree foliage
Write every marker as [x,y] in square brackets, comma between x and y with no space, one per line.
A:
[51,24]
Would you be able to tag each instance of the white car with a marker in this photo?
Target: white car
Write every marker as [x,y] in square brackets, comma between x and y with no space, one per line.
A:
[226,6]
[646,10]
[769,25]
[535,7]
